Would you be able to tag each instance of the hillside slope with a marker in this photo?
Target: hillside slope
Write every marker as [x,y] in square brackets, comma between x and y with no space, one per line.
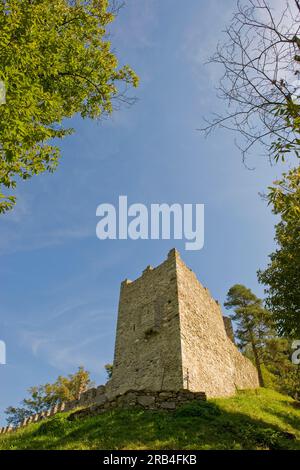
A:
[251,420]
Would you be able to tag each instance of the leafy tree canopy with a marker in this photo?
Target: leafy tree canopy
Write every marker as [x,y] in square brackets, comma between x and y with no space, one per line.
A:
[282,275]
[109,370]
[55,61]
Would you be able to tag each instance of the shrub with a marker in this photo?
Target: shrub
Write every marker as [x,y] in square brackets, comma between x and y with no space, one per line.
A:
[198,408]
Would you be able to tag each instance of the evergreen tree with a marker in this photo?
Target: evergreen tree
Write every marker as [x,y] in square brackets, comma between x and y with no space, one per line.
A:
[252,320]
[282,275]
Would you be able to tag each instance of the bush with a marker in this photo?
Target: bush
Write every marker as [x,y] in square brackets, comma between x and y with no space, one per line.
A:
[57,425]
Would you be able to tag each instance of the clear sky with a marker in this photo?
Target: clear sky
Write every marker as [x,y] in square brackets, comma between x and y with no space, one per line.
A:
[59,284]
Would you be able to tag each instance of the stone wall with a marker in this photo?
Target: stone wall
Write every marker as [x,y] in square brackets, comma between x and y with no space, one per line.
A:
[167,400]
[210,360]
[95,401]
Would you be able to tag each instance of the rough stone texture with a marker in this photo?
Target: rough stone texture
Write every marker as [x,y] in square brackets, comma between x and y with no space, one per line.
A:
[148,346]
[145,399]
[210,360]
[171,335]
[168,405]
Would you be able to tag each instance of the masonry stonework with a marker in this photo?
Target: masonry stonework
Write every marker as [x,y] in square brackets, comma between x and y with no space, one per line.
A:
[171,336]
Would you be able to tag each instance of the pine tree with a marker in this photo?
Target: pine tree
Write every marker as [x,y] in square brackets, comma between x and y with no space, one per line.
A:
[252,321]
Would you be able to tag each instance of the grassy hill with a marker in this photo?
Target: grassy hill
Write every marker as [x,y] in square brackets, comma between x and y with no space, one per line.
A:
[251,420]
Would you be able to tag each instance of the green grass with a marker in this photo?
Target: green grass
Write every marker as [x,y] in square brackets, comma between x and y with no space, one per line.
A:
[251,420]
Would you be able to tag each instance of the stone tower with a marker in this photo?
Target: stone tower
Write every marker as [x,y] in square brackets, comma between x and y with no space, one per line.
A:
[171,336]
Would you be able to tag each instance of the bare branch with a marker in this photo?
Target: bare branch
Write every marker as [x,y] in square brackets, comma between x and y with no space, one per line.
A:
[260,64]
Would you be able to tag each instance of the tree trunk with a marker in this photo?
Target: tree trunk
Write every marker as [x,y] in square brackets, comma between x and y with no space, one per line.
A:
[257,361]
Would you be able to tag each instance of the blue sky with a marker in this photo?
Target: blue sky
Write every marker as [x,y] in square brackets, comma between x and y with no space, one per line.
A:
[59,283]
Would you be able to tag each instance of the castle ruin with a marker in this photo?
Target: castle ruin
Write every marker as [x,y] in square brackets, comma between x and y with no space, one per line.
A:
[171,335]
[172,346]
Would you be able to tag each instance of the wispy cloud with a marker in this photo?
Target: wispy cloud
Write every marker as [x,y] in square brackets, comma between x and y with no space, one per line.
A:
[12,241]
[33,225]
[64,341]
[63,354]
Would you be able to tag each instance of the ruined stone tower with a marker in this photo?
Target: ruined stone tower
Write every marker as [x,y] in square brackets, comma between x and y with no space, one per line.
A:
[171,336]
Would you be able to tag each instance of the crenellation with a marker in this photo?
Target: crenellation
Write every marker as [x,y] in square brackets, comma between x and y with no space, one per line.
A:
[147,270]
[125,283]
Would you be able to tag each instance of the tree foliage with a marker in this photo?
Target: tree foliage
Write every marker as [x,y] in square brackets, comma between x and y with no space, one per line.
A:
[284,376]
[55,61]
[282,275]
[109,370]
[43,397]
[260,57]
